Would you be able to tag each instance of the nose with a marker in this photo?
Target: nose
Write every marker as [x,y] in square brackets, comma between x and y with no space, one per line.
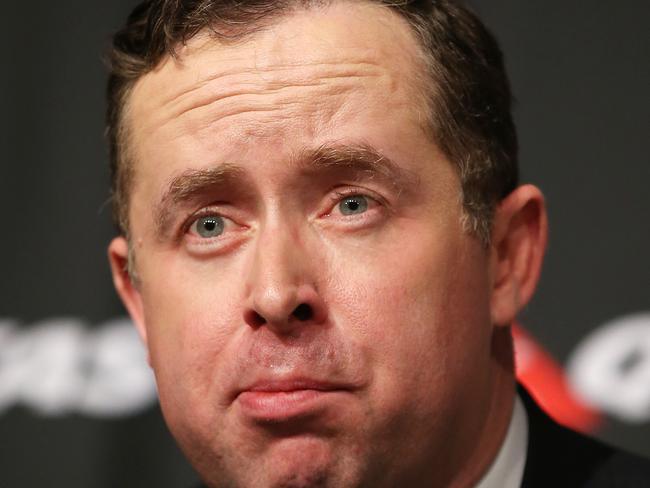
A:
[281,286]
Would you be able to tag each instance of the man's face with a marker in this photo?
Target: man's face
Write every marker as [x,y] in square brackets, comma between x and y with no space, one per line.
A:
[313,309]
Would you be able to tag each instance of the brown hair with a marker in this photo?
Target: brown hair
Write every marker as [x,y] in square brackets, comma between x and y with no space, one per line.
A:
[470,94]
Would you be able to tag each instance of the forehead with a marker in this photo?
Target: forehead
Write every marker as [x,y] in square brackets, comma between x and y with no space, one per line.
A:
[296,82]
[353,40]
[349,30]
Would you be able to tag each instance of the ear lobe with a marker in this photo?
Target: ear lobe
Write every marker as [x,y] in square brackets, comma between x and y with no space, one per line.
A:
[519,237]
[118,256]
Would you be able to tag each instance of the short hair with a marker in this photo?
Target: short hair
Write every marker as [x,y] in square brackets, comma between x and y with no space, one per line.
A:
[468,90]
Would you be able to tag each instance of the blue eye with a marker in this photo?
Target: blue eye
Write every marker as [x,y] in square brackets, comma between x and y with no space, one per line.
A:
[208,227]
[354,205]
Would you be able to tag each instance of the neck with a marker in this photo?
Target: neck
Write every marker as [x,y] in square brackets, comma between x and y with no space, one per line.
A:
[496,418]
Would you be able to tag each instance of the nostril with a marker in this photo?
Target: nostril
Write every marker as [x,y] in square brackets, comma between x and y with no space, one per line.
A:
[255,319]
[303,312]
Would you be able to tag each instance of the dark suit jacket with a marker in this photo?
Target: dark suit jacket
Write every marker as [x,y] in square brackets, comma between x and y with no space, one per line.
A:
[559,457]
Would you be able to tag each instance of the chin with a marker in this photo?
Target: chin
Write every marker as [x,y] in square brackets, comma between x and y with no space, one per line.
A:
[292,462]
[302,461]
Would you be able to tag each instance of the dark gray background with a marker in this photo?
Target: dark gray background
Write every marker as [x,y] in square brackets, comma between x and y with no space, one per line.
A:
[580,73]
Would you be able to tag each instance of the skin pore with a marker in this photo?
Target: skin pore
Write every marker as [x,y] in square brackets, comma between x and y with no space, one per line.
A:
[295,224]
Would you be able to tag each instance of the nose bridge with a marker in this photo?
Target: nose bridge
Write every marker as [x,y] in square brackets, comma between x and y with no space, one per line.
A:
[275,267]
[279,285]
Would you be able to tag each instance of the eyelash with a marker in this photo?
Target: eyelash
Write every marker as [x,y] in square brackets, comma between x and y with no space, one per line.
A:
[338,195]
[205,212]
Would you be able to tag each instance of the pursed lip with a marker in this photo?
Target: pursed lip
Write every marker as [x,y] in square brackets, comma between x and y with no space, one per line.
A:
[288,385]
[275,400]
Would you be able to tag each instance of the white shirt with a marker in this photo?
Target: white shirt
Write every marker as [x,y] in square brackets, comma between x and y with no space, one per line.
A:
[507,469]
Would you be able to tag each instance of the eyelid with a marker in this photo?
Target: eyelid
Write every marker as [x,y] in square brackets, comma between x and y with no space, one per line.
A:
[339,194]
[193,218]
[194,223]
[209,211]
[377,204]
[234,231]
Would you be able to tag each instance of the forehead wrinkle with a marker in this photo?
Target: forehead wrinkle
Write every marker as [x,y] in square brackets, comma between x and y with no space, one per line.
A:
[347,69]
[183,187]
[218,100]
[229,87]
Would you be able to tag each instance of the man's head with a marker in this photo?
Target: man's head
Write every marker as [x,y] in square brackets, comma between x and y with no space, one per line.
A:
[296,181]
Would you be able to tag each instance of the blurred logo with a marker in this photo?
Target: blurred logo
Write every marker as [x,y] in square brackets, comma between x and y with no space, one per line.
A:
[610,368]
[62,366]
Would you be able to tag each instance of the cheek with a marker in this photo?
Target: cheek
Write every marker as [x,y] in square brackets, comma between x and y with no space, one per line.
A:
[421,314]
[191,329]
[190,323]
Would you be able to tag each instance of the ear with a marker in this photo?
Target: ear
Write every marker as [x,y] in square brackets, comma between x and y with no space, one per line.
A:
[118,256]
[519,236]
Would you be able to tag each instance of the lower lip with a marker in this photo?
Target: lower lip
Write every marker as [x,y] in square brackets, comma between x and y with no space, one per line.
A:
[278,406]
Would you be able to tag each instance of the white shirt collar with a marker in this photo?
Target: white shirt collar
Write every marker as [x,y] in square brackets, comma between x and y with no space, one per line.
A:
[507,469]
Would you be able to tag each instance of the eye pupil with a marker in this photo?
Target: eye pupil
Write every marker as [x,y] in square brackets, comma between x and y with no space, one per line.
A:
[354,205]
[210,226]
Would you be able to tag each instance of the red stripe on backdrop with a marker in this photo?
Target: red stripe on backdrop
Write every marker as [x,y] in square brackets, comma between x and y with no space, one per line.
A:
[544,378]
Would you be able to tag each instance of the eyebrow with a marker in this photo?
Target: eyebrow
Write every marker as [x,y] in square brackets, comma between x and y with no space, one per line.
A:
[360,159]
[188,185]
